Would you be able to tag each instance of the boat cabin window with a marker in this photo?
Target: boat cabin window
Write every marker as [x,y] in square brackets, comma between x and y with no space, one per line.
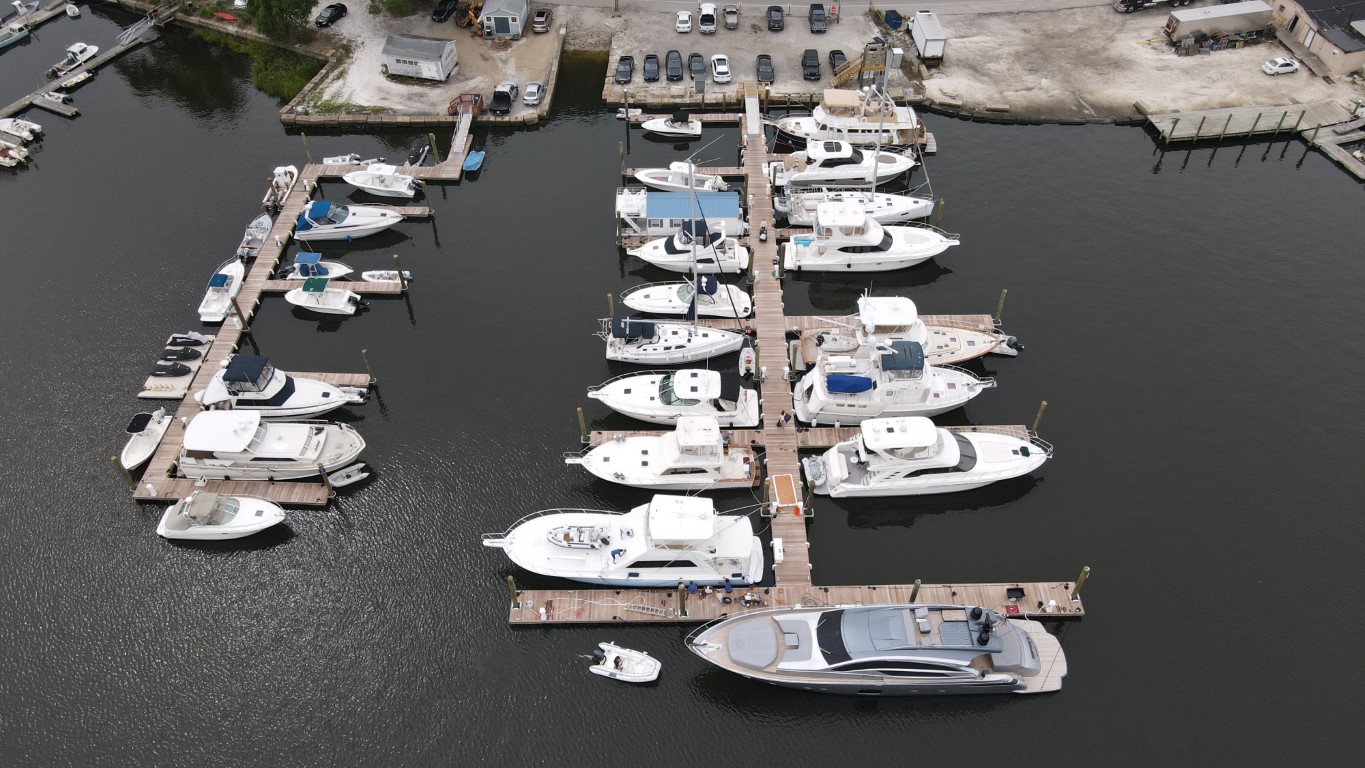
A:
[668,397]
[884,245]
[685,471]
[663,564]
[891,666]
[917,453]
[855,157]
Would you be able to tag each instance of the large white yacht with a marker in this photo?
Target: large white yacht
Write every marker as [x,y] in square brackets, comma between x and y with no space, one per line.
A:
[863,118]
[693,457]
[663,397]
[695,248]
[895,318]
[909,456]
[801,205]
[238,445]
[846,239]
[886,650]
[671,539]
[894,380]
[247,383]
[325,220]
[706,297]
[837,163]
[632,340]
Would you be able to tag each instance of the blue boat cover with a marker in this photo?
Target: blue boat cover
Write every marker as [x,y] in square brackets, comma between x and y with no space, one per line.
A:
[315,285]
[908,356]
[707,285]
[627,327]
[219,280]
[307,257]
[245,368]
[318,210]
[845,384]
[678,205]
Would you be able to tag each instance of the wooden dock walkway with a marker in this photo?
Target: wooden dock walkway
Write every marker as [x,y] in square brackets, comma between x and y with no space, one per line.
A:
[1333,143]
[1246,121]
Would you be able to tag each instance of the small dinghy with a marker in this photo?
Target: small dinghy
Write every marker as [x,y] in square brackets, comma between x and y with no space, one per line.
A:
[56,98]
[144,435]
[71,82]
[679,125]
[189,339]
[625,114]
[315,296]
[384,276]
[383,180]
[308,264]
[212,517]
[348,476]
[223,287]
[254,237]
[180,354]
[281,184]
[9,158]
[624,664]
[24,129]
[473,161]
[73,11]
[16,150]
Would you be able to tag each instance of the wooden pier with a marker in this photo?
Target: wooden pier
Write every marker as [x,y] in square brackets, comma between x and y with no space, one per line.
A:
[1212,124]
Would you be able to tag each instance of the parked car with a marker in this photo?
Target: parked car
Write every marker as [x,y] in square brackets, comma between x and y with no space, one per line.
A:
[836,59]
[763,67]
[775,18]
[331,15]
[1281,65]
[731,17]
[651,68]
[625,69]
[810,64]
[696,66]
[706,19]
[541,21]
[534,93]
[504,96]
[443,10]
[817,17]
[673,66]
[720,68]
[684,21]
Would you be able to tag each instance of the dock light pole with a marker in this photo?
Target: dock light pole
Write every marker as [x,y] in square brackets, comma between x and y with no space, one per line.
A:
[1000,307]
[365,355]
[914,592]
[127,476]
[582,427]
[1076,588]
[1036,419]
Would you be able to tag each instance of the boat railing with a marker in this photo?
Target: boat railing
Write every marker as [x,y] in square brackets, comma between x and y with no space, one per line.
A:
[544,513]
[931,228]
[1041,443]
[636,289]
[985,382]
[629,375]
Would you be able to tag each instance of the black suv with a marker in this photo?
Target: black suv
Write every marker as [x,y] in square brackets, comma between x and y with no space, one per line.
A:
[810,64]
[817,17]
[651,68]
[443,10]
[775,18]
[625,69]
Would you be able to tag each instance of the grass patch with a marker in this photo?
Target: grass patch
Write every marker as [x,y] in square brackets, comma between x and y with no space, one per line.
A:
[278,72]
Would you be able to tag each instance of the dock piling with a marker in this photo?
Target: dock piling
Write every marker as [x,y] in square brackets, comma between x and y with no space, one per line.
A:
[307,152]
[326,482]
[512,590]
[938,219]
[1280,124]
[435,150]
[1295,129]
[398,267]
[682,599]
[1199,127]
[611,305]
[1171,134]
[1000,306]
[237,313]
[914,592]
[1037,419]
[365,355]
[127,476]
[582,427]
[1226,123]
[1252,131]
[1076,588]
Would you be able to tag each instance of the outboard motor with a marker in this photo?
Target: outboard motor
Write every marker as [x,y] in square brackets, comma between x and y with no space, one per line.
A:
[1013,343]
[599,655]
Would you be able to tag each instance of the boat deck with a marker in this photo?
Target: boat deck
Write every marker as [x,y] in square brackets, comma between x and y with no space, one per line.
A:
[803,437]
[359,286]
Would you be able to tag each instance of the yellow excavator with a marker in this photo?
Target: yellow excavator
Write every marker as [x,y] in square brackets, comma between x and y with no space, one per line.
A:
[467,14]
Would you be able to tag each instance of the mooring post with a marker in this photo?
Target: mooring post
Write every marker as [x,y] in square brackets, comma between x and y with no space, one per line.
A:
[1226,123]
[938,220]
[1036,419]
[1199,127]
[1314,140]
[306,151]
[1254,123]
[611,305]
[241,318]
[1171,134]
[622,145]
[1295,129]
[512,590]
[326,481]
[914,591]
[127,476]
[1280,124]
[365,355]
[398,267]
[1076,588]
[435,151]
[582,427]
[1000,307]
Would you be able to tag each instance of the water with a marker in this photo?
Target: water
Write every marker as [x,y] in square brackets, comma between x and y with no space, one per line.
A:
[1177,311]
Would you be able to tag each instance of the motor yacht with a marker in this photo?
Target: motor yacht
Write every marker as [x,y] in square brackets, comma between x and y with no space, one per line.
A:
[695,456]
[846,239]
[664,397]
[249,383]
[324,220]
[895,380]
[681,177]
[239,445]
[646,342]
[14,26]
[704,296]
[224,285]
[895,318]
[837,163]
[206,516]
[863,118]
[801,207]
[695,248]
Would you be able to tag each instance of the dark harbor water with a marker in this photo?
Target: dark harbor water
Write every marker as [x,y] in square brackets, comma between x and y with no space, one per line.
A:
[1177,311]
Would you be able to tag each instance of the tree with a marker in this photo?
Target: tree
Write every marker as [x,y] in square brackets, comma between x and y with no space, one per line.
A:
[281,20]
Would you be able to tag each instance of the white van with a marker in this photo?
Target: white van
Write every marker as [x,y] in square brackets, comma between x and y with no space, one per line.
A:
[706,19]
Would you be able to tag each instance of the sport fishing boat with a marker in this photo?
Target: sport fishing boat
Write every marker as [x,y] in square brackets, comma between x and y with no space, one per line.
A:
[632,340]
[670,540]
[664,397]
[282,181]
[695,248]
[324,220]
[212,517]
[76,55]
[895,318]
[254,237]
[885,650]
[308,264]
[24,129]
[315,295]
[678,125]
[628,666]
[863,118]
[224,285]
[909,456]
[693,457]
[681,177]
[801,206]
[894,380]
[144,435]
[837,163]
[383,180]
[239,445]
[846,239]
[704,295]
[249,383]
[14,26]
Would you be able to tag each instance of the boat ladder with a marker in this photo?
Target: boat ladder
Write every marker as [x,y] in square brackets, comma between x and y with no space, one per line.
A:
[649,609]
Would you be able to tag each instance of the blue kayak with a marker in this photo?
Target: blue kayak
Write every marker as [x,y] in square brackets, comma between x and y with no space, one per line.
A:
[474,160]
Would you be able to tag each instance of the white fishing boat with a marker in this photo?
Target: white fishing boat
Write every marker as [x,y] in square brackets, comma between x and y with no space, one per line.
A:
[668,541]
[383,180]
[249,383]
[14,26]
[385,276]
[144,435]
[663,397]
[9,158]
[863,118]
[203,516]
[681,177]
[703,295]
[632,340]
[678,125]
[624,664]
[883,319]
[15,149]
[254,237]
[895,380]
[309,264]
[909,456]
[324,220]
[224,285]
[848,240]
[695,248]
[350,159]
[695,456]
[76,56]
[239,445]
[837,163]
[315,295]
[800,206]
[282,181]
[24,129]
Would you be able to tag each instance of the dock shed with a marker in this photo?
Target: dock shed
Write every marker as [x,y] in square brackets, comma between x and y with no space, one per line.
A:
[1332,50]
[505,18]
[654,213]
[428,58]
[928,36]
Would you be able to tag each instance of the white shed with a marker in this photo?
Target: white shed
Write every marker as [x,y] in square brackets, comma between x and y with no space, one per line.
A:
[505,18]
[429,58]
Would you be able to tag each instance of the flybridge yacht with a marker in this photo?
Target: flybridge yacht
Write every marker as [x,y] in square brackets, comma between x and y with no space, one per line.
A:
[894,380]
[632,340]
[895,318]
[238,445]
[664,397]
[695,249]
[837,163]
[909,456]
[846,239]
[801,206]
[886,650]
[705,296]
[863,118]
[248,383]
[680,177]
[693,457]
[671,539]
[324,220]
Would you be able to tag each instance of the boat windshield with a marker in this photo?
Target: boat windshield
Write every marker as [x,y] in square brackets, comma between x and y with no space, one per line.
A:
[668,397]
[685,292]
[337,215]
[830,637]
[222,513]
